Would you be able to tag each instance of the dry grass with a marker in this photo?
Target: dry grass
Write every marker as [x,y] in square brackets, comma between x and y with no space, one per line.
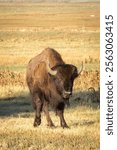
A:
[69,28]
[18,133]
[25,30]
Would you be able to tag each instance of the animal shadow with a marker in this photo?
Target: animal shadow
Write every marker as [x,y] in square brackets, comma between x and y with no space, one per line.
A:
[13,106]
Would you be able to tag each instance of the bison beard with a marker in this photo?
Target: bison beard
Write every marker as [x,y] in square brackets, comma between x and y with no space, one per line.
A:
[50,82]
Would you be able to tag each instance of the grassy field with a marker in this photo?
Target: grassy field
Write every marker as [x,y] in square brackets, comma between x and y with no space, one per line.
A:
[25,30]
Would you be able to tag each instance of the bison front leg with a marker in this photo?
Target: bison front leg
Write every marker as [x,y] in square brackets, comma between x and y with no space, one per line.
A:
[60,113]
[45,109]
[38,108]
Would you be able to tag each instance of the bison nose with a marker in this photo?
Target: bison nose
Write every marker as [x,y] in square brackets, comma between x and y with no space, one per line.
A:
[67,94]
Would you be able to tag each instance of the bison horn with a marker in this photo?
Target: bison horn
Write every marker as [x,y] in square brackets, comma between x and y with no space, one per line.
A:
[52,72]
[81,69]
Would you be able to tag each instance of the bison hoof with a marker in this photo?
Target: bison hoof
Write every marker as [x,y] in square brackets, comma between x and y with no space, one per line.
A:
[51,125]
[65,126]
[37,122]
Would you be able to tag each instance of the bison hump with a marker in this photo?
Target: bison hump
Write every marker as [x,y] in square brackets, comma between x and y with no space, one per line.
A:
[53,57]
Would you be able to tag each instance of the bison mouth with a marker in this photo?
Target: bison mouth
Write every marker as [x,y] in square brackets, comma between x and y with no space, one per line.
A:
[67,94]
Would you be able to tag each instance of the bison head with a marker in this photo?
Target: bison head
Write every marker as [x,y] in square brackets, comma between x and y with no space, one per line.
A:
[64,76]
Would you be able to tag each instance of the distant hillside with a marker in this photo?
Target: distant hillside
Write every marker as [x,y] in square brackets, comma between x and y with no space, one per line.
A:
[59,1]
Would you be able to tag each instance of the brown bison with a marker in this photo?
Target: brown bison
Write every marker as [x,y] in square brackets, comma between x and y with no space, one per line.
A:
[50,81]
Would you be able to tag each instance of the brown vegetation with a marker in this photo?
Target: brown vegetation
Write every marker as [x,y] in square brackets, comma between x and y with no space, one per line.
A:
[86,80]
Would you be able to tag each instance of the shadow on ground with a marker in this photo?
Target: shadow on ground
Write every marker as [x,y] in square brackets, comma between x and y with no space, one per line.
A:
[22,105]
[90,98]
[13,106]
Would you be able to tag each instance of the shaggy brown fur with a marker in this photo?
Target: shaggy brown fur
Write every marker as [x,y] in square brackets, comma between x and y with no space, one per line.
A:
[47,88]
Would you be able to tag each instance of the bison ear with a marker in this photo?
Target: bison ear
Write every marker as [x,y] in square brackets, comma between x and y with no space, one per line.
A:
[74,72]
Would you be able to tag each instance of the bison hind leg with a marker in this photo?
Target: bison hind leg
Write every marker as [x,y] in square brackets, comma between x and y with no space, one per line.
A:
[37,104]
[45,109]
[60,113]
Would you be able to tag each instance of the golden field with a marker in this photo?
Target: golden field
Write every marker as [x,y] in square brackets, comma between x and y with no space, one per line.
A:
[25,30]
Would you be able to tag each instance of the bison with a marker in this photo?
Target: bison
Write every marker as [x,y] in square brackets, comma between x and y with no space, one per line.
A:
[50,82]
